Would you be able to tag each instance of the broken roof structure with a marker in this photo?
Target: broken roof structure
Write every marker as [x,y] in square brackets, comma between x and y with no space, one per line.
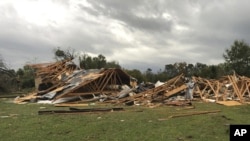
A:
[52,73]
[89,83]
[63,82]
[68,83]
[231,87]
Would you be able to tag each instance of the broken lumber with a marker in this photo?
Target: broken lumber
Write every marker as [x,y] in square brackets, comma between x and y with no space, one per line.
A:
[195,113]
[229,103]
[71,105]
[190,114]
[176,90]
[77,111]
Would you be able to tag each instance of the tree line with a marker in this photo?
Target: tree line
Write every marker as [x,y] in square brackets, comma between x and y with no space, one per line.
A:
[237,60]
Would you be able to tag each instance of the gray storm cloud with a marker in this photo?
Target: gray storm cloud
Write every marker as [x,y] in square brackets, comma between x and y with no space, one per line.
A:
[138,34]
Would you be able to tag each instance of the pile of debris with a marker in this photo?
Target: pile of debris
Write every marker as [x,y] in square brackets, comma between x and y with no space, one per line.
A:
[227,88]
[63,82]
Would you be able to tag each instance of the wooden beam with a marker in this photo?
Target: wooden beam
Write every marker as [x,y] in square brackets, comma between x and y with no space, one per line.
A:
[216,94]
[108,79]
[176,90]
[199,91]
[190,114]
[224,93]
[217,90]
[195,113]
[104,79]
[248,89]
[204,89]
[236,90]
[83,83]
[244,88]
[153,90]
[88,93]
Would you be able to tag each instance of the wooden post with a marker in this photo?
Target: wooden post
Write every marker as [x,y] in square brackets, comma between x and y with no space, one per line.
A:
[236,90]
[216,94]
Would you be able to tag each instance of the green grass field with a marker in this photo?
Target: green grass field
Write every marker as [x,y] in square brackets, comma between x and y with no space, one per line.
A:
[22,122]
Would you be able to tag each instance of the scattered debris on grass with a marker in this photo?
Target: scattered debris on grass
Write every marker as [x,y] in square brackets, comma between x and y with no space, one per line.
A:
[189,114]
[10,115]
[229,103]
[77,111]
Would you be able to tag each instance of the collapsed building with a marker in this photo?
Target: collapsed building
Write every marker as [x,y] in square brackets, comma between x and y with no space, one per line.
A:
[64,82]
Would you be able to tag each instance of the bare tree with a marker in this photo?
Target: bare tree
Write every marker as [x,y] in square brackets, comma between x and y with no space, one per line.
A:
[6,76]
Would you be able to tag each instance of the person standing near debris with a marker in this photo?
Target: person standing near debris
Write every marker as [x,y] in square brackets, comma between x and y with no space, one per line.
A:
[189,90]
[133,83]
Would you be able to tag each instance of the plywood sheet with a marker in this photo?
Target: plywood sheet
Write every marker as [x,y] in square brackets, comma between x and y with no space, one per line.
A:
[229,103]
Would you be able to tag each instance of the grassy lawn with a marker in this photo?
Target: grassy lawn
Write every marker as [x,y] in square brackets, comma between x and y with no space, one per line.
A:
[22,122]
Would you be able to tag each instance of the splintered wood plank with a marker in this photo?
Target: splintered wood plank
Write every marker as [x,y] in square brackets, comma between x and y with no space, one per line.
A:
[190,114]
[217,90]
[229,103]
[83,83]
[236,89]
[244,88]
[224,93]
[248,89]
[203,91]
[78,111]
[25,98]
[195,113]
[199,91]
[153,90]
[176,90]
[71,105]
[212,88]
[88,93]
[110,74]
[104,80]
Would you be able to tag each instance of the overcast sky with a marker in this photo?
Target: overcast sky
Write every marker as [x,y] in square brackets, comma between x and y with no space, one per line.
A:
[138,34]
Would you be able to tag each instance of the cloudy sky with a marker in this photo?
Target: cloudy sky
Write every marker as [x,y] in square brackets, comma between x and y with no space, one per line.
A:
[138,34]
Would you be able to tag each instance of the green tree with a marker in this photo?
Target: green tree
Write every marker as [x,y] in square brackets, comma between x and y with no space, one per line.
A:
[161,76]
[82,61]
[20,72]
[238,57]
[113,64]
[88,62]
[181,67]
[136,74]
[200,69]
[212,72]
[149,75]
[177,68]
[61,54]
[190,70]
[224,69]
[8,81]
[26,77]
[171,70]
[101,61]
